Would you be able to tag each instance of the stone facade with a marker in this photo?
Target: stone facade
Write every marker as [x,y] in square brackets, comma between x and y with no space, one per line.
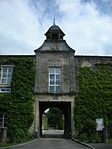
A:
[55,53]
[63,60]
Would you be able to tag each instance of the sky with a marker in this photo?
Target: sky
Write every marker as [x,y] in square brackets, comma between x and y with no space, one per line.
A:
[86,23]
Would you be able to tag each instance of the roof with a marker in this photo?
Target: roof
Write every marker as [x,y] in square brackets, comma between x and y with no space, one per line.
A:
[54,28]
[60,46]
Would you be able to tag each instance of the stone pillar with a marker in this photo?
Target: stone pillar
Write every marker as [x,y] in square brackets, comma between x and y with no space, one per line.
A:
[37,128]
[3,134]
[73,131]
[44,121]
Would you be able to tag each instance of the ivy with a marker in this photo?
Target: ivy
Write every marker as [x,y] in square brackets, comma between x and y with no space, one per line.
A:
[19,103]
[94,101]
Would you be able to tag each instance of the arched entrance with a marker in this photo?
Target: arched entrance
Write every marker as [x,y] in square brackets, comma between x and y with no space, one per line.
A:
[65,107]
[53,123]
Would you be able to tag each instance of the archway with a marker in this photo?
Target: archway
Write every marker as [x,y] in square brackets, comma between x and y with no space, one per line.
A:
[65,107]
[53,122]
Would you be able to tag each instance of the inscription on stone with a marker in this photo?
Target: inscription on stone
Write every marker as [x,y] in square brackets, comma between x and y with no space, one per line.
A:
[54,60]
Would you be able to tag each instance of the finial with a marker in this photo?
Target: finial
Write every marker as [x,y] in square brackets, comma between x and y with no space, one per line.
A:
[54,22]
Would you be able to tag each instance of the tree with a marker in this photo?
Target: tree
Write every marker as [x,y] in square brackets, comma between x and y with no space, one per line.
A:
[55,118]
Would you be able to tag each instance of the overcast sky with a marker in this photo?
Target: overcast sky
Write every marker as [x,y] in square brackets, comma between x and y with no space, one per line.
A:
[86,23]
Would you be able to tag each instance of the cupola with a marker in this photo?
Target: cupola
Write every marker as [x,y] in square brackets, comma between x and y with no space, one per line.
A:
[54,33]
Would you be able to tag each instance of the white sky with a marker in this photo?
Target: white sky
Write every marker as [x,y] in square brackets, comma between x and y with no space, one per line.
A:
[86,23]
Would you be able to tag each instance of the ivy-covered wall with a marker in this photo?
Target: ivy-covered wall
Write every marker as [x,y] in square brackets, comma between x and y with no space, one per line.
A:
[94,101]
[19,103]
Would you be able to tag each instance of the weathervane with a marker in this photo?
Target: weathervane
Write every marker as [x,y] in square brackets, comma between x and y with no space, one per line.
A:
[54,21]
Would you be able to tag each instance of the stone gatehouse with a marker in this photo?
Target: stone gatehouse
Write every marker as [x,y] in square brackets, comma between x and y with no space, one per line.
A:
[56,82]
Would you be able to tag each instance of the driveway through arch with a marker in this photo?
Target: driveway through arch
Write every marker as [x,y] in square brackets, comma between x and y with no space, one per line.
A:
[65,107]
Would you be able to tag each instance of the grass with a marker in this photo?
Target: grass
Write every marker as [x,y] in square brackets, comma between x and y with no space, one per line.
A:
[109,141]
[15,143]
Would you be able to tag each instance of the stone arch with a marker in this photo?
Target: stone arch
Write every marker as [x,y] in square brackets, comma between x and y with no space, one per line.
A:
[53,124]
[65,107]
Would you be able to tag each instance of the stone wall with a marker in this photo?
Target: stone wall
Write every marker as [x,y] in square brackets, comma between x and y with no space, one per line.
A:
[70,66]
[63,60]
[82,61]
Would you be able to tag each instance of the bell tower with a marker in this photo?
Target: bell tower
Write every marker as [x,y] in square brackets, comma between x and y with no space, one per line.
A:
[54,33]
[55,84]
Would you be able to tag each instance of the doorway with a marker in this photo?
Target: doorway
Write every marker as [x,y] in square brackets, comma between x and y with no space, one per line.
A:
[47,119]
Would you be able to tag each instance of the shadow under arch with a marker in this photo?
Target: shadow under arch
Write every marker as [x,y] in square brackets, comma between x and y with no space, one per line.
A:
[65,107]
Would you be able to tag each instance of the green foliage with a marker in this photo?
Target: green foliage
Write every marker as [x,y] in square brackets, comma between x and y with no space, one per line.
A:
[46,122]
[94,101]
[19,103]
[55,118]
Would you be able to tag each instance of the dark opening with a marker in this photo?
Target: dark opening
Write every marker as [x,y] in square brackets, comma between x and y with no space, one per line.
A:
[65,110]
[55,36]
[53,122]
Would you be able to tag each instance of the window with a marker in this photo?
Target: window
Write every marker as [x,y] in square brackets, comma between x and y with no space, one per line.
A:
[54,80]
[6,74]
[5,90]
